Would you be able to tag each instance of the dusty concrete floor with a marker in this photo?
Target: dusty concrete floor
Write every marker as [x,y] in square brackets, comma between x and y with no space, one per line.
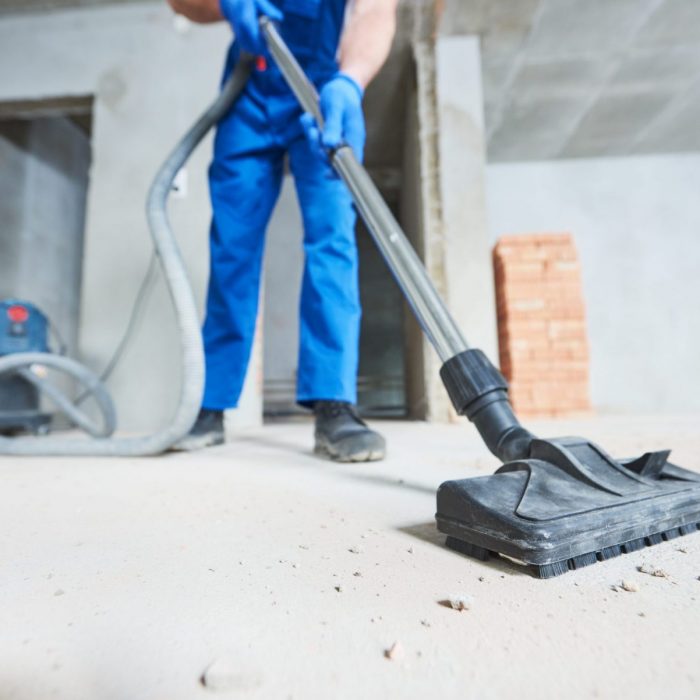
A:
[126,579]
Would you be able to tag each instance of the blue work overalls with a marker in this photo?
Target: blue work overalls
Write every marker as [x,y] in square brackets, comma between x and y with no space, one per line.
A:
[245,178]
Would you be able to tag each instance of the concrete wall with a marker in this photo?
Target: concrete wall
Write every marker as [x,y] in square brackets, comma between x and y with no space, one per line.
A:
[413,220]
[150,77]
[13,163]
[443,206]
[636,223]
[462,148]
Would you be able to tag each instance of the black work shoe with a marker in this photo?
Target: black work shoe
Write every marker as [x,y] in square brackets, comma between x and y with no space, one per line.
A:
[342,436]
[208,430]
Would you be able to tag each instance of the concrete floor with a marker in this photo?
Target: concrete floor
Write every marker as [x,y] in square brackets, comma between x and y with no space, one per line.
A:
[126,579]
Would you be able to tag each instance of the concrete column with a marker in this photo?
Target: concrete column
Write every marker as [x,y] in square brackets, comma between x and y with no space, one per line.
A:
[421,219]
[465,234]
[444,206]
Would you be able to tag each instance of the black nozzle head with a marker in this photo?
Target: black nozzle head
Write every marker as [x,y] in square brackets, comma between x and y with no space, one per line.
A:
[570,504]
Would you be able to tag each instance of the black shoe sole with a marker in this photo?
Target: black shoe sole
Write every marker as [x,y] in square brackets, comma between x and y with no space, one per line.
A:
[192,443]
[369,448]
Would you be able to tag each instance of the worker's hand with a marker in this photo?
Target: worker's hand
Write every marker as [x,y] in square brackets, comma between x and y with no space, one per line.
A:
[344,122]
[243,17]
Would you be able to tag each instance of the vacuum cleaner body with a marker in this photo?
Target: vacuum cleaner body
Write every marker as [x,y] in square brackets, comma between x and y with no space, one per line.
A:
[23,328]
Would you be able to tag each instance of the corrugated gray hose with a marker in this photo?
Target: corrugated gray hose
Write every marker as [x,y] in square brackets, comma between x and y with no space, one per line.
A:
[185,310]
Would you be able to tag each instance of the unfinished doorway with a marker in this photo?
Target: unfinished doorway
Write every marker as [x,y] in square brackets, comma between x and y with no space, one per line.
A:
[385,357]
[44,169]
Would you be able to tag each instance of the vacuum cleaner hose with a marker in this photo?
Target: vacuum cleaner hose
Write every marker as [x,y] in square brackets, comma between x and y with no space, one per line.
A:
[24,363]
[175,274]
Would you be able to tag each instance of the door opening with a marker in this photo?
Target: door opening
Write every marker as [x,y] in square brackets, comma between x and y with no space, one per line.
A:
[44,170]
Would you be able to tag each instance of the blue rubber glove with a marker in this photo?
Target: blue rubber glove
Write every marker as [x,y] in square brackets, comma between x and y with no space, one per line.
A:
[243,15]
[344,122]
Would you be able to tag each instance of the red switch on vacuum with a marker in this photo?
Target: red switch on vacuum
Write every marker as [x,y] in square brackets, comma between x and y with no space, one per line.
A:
[17,313]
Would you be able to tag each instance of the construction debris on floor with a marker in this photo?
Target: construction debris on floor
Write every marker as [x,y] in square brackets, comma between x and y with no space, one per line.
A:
[256,570]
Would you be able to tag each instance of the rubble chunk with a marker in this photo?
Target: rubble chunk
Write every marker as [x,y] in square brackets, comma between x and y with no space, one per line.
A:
[222,676]
[395,652]
[652,571]
[458,602]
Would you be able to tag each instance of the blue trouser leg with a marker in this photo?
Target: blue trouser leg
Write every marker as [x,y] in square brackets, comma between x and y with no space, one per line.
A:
[244,189]
[330,301]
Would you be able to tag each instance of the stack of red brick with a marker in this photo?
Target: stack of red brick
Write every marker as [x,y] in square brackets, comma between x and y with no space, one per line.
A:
[541,324]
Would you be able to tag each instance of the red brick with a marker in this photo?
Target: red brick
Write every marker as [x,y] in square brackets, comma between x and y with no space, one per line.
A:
[535,239]
[543,346]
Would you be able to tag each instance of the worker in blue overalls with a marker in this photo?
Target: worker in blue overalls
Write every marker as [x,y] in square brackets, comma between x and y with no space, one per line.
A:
[341,45]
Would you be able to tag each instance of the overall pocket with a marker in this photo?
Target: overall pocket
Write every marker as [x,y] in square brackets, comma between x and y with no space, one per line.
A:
[301,28]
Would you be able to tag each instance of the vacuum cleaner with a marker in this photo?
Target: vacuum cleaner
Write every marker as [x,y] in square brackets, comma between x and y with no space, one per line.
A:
[554,505]
[24,338]
[23,328]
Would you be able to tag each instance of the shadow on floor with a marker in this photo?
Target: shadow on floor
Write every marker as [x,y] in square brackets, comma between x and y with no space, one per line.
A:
[378,479]
[428,532]
[275,443]
[381,480]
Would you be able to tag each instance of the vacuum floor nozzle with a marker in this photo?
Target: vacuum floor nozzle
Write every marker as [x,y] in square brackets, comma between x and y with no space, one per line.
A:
[568,505]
